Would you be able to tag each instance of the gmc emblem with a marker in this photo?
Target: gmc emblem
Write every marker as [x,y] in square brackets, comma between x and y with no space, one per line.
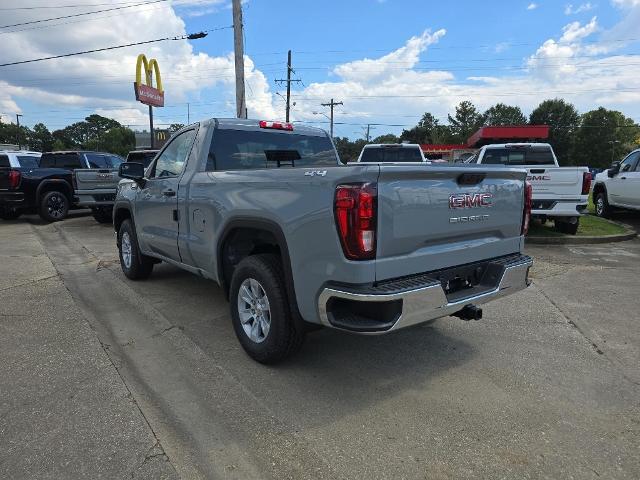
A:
[539,178]
[467,200]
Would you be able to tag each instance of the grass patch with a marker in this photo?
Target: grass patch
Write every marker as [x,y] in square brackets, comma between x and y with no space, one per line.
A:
[591,208]
[589,226]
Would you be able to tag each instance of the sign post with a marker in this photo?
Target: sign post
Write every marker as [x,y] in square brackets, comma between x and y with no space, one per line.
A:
[145,92]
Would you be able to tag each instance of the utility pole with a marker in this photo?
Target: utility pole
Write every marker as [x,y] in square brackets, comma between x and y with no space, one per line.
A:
[18,115]
[288,82]
[188,114]
[331,104]
[367,131]
[238,45]
[151,127]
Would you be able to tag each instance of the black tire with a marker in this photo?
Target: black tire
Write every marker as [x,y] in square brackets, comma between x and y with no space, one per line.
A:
[103,215]
[10,214]
[283,338]
[567,227]
[54,206]
[602,205]
[138,266]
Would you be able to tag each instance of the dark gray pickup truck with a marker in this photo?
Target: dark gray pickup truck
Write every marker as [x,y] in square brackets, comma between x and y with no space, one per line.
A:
[297,239]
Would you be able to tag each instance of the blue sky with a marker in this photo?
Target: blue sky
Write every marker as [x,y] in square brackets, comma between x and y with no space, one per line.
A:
[388,61]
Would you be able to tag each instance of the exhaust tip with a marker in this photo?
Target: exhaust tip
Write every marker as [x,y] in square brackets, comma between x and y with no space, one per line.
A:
[469,312]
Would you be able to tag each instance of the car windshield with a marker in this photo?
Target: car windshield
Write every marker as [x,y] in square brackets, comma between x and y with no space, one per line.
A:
[391,154]
[538,155]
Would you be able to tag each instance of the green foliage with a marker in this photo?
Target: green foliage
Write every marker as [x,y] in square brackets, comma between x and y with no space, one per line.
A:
[120,140]
[501,114]
[174,127]
[428,130]
[40,138]
[604,135]
[387,138]
[465,122]
[348,150]
[563,120]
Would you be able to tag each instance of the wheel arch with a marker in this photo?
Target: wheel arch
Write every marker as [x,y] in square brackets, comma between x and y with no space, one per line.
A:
[599,188]
[257,236]
[54,185]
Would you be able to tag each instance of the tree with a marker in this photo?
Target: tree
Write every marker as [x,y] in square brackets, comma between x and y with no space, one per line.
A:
[501,114]
[465,122]
[348,150]
[603,135]
[428,130]
[387,138]
[120,140]
[174,127]
[41,138]
[563,120]
[9,133]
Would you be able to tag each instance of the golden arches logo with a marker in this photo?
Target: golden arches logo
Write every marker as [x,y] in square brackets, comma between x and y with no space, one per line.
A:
[145,92]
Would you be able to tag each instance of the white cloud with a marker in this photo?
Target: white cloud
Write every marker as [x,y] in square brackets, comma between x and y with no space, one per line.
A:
[532,6]
[583,7]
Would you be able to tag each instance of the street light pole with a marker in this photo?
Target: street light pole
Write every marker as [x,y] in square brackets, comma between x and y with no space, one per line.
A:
[18,115]
[613,148]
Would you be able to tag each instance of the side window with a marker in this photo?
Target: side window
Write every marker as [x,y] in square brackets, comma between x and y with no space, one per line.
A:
[628,164]
[115,161]
[171,161]
[27,161]
[69,160]
[97,160]
[4,161]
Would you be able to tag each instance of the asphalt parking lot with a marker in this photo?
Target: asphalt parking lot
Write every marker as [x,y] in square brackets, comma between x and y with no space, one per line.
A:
[546,386]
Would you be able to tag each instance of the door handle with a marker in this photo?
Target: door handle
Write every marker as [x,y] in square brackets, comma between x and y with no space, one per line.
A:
[169,193]
[623,178]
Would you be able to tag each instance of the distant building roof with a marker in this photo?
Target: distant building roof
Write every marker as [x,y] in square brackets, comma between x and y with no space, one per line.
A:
[507,134]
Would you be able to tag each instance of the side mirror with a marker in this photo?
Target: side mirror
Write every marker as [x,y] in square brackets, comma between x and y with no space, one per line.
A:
[615,168]
[132,171]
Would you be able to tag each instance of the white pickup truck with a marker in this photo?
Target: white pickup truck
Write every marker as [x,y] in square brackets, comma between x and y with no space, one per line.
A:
[619,186]
[559,193]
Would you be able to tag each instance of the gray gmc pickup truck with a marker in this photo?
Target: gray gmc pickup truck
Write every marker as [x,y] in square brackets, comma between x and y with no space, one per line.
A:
[297,240]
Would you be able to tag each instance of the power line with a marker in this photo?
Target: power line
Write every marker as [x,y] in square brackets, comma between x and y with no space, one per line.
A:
[81,14]
[76,5]
[191,36]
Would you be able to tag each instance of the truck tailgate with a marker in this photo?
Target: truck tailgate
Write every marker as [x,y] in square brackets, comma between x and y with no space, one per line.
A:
[96,179]
[555,182]
[436,217]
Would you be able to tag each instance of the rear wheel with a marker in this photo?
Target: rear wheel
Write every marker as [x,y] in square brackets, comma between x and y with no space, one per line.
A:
[567,227]
[10,214]
[134,265]
[260,310]
[602,205]
[54,206]
[103,215]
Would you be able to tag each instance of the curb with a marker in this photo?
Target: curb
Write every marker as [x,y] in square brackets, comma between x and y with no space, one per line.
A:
[630,234]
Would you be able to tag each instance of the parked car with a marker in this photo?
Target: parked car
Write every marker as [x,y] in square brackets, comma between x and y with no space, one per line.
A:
[48,189]
[559,193]
[95,187]
[392,153]
[141,156]
[619,186]
[296,239]
[19,159]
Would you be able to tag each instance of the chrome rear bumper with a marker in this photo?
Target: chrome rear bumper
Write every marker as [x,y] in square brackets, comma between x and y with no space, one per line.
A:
[427,299]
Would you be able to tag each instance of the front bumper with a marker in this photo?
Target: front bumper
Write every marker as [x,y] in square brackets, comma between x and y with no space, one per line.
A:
[400,303]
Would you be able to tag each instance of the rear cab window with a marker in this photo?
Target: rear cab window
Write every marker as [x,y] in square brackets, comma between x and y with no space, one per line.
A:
[391,155]
[4,161]
[61,160]
[250,149]
[535,155]
[29,161]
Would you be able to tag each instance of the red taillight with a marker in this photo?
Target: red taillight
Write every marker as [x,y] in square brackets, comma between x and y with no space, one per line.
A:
[586,183]
[526,213]
[14,179]
[356,219]
[276,125]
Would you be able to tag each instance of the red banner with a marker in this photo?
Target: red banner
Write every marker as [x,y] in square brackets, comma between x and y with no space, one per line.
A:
[148,95]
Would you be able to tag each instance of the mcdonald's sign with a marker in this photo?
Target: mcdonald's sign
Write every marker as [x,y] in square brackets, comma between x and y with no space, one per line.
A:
[145,92]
